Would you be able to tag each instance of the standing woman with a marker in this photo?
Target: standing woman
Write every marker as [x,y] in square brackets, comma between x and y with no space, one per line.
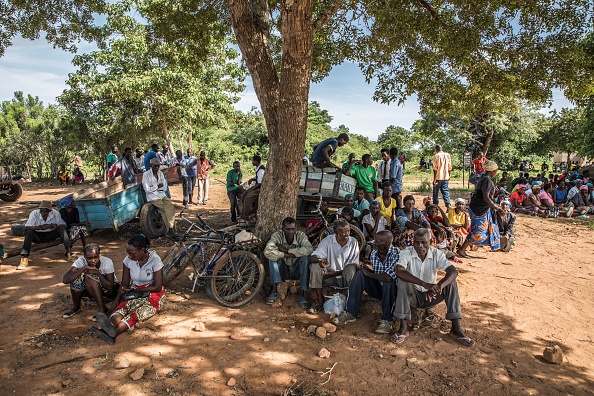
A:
[143,272]
[483,225]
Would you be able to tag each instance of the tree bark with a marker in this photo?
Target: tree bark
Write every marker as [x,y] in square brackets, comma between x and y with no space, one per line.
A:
[283,101]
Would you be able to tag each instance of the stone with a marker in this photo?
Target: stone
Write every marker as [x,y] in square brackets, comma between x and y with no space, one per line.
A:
[235,336]
[277,304]
[311,329]
[321,332]
[330,328]
[121,363]
[293,289]
[553,354]
[137,374]
[199,327]
[266,339]
[282,289]
[324,353]
[411,363]
[40,344]
[232,382]
[65,383]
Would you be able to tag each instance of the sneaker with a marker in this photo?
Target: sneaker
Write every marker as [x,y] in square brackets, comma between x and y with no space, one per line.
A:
[70,313]
[24,263]
[344,318]
[186,206]
[384,327]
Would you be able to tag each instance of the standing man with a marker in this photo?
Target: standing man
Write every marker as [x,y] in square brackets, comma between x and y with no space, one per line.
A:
[418,287]
[288,253]
[127,168]
[252,194]
[44,225]
[442,165]
[323,151]
[203,165]
[396,175]
[366,176]
[379,283]
[112,157]
[181,163]
[139,160]
[164,156]
[154,184]
[234,189]
[149,156]
[383,168]
[333,263]
[191,171]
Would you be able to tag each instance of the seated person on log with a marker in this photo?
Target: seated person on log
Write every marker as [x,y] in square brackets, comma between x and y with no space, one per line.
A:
[44,225]
[142,272]
[323,151]
[333,263]
[288,253]
[92,275]
[378,282]
[418,287]
[75,228]
[154,184]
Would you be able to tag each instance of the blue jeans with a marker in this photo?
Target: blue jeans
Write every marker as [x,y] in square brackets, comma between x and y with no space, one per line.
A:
[383,291]
[441,185]
[280,271]
[191,184]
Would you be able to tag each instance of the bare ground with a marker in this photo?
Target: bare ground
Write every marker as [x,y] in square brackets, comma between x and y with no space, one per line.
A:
[515,304]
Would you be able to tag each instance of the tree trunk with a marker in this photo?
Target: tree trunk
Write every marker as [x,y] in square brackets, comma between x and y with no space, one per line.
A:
[283,102]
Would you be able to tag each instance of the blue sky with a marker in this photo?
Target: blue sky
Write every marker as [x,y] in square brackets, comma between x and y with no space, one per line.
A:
[36,68]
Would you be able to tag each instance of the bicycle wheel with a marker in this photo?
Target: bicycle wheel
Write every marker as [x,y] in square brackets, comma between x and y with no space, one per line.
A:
[175,264]
[237,279]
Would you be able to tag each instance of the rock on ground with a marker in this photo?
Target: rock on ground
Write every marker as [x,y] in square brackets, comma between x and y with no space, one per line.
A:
[232,381]
[324,353]
[321,332]
[553,354]
[121,363]
[330,328]
[137,374]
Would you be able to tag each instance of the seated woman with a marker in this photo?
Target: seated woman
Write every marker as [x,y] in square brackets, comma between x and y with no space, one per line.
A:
[75,228]
[459,220]
[534,204]
[560,194]
[518,200]
[546,199]
[92,275]
[78,178]
[408,219]
[142,272]
[387,204]
[505,221]
[581,206]
[373,222]
[445,237]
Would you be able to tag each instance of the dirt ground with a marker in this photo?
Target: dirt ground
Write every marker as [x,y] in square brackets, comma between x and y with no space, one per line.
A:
[515,305]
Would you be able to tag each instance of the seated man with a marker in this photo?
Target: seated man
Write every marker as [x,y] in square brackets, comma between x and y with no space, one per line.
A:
[379,283]
[418,287]
[361,204]
[154,184]
[288,253]
[349,202]
[91,276]
[333,263]
[349,215]
[44,225]
[373,222]
[75,228]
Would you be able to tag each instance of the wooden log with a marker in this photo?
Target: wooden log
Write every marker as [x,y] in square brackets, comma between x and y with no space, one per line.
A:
[34,248]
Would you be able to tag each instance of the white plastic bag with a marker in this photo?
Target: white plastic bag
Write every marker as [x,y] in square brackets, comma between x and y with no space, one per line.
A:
[335,304]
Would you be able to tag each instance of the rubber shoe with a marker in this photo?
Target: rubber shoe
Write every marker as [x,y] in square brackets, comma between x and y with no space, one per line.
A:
[24,263]
[384,327]
[569,212]
[343,318]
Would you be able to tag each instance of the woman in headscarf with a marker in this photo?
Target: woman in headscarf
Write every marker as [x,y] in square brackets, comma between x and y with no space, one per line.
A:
[534,204]
[506,221]
[483,226]
[409,219]
[76,229]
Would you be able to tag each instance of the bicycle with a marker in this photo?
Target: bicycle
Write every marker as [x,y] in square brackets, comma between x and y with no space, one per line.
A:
[322,229]
[232,276]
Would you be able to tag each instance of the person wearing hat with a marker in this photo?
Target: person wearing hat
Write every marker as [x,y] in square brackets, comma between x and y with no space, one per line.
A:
[575,190]
[75,228]
[480,209]
[506,220]
[580,203]
[534,204]
[44,225]
[518,200]
[154,184]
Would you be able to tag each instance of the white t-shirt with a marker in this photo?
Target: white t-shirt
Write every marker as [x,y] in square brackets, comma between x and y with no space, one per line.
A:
[144,275]
[259,173]
[105,265]
[338,256]
[150,185]
[424,270]
[35,219]
[368,219]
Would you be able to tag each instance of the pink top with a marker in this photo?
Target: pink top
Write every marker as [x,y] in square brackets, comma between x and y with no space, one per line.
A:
[546,197]
[202,169]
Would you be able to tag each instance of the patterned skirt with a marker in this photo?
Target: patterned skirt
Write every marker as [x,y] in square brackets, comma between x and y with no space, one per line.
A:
[140,309]
[484,230]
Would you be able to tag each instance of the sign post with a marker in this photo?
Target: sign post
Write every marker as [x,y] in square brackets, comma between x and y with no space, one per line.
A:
[467,159]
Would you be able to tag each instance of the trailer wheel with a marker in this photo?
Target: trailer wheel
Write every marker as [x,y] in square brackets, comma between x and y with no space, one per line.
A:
[18,228]
[151,221]
[14,192]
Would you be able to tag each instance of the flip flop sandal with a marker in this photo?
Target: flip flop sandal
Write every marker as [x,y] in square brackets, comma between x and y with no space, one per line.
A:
[466,341]
[464,255]
[105,324]
[272,298]
[94,318]
[101,334]
[398,338]
[303,303]
[70,313]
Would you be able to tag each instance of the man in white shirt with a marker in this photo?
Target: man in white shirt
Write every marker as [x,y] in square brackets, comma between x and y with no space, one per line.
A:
[333,263]
[44,225]
[442,165]
[250,197]
[418,287]
[154,184]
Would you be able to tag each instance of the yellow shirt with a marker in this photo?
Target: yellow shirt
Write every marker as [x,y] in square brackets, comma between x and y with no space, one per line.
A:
[387,211]
[458,219]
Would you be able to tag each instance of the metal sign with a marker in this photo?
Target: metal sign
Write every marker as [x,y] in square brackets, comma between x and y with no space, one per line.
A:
[467,158]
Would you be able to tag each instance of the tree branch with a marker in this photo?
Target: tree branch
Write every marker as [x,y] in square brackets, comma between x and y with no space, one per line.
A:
[428,7]
[324,17]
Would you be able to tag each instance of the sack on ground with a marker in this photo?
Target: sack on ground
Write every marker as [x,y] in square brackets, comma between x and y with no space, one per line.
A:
[335,304]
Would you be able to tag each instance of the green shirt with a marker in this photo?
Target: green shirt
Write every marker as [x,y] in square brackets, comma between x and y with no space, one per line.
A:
[233,177]
[365,177]
[111,159]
